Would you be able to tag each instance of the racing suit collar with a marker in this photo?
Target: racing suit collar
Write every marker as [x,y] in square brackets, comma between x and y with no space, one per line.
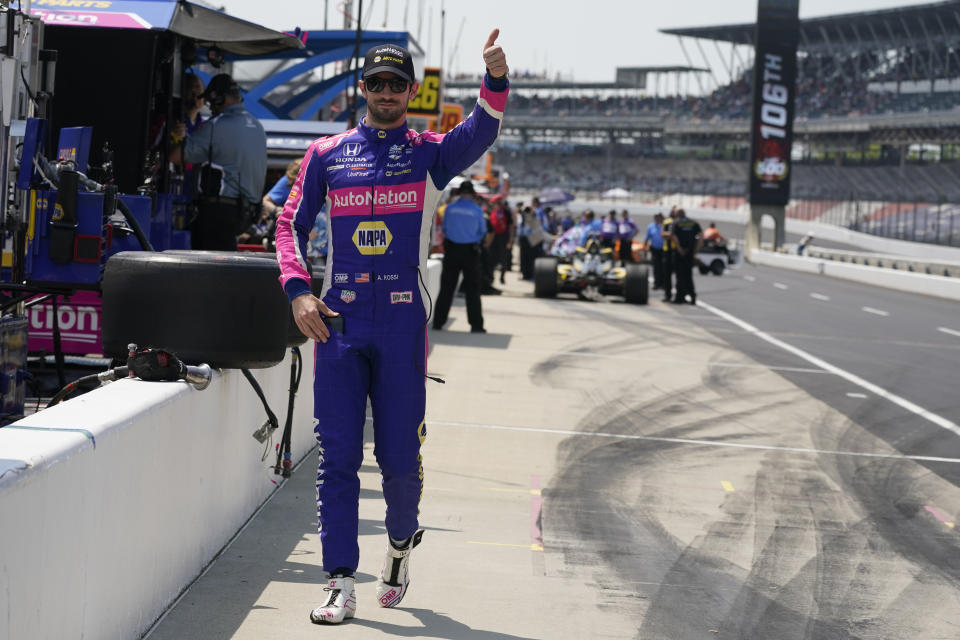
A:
[382,135]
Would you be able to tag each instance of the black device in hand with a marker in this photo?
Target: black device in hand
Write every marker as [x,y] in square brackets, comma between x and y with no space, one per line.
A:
[334,322]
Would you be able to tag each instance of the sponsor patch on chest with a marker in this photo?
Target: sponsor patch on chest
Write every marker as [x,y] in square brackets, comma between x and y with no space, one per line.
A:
[372,237]
[378,200]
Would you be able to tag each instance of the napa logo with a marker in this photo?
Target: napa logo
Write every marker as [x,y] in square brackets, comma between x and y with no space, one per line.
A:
[372,238]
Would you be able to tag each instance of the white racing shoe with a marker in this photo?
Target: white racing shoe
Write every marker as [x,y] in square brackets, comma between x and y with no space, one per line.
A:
[395,576]
[341,602]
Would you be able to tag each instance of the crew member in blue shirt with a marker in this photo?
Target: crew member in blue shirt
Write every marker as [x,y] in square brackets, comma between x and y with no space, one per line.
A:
[464,229]
[654,242]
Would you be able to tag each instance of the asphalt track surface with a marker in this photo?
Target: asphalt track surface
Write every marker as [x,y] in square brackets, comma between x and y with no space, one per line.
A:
[659,472]
[829,529]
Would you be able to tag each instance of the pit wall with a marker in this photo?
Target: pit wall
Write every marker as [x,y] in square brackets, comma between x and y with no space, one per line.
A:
[114,501]
[939,286]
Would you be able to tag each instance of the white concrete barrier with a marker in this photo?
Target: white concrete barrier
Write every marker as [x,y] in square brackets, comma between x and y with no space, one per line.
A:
[938,286]
[114,501]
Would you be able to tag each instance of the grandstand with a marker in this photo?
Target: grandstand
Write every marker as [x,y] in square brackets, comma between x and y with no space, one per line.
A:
[877,132]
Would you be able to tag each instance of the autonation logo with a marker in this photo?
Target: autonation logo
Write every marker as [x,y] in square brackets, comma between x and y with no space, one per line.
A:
[367,198]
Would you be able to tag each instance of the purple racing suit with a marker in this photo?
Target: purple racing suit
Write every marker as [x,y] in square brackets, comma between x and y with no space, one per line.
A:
[380,188]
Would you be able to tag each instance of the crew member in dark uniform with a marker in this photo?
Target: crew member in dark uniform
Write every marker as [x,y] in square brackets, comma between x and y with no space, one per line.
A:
[234,147]
[688,237]
[464,229]
[668,255]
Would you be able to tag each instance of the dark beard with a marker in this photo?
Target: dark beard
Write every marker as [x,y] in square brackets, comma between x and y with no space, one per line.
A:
[386,116]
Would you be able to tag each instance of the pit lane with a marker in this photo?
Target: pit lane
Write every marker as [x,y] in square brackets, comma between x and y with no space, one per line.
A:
[618,471]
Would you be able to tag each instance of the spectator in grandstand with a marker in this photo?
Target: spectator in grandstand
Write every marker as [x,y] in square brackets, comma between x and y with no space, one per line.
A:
[688,237]
[653,241]
[628,229]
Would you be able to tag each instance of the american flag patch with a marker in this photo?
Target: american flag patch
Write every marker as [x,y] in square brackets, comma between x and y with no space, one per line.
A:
[361,277]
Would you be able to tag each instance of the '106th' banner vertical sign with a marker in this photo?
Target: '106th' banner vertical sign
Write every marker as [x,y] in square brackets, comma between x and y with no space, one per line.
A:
[774,85]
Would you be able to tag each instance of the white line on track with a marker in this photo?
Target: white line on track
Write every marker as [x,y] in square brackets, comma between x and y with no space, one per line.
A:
[952,332]
[709,443]
[820,296]
[780,285]
[857,395]
[749,278]
[916,409]
[876,312]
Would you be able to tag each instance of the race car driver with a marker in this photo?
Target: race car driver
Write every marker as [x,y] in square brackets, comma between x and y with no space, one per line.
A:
[380,183]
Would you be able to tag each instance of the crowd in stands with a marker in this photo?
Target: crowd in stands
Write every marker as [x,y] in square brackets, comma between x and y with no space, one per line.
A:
[515,74]
[595,172]
[825,87]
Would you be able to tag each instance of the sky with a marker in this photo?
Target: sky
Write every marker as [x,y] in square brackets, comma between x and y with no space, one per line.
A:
[582,41]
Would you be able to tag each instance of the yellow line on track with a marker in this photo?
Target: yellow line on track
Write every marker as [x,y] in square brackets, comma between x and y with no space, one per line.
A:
[531,547]
[534,492]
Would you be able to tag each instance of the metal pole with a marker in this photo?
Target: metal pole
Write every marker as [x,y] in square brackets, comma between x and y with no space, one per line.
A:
[356,69]
[938,223]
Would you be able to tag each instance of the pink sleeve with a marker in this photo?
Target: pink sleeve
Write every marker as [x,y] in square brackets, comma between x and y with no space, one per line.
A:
[299,212]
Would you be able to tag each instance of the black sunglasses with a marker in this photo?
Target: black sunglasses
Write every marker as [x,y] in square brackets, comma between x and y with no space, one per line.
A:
[376,85]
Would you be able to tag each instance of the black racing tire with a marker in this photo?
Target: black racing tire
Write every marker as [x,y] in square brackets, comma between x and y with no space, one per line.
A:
[222,308]
[636,284]
[545,277]
[717,267]
[294,337]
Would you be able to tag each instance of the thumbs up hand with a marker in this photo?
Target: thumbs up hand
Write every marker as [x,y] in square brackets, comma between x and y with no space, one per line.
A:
[494,57]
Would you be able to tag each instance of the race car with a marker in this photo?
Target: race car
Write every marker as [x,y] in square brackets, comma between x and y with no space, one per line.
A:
[590,271]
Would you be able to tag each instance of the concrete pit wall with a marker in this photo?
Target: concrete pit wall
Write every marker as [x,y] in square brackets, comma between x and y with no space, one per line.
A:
[114,501]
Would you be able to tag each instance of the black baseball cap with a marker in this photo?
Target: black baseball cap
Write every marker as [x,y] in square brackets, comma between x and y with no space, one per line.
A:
[466,187]
[219,84]
[391,58]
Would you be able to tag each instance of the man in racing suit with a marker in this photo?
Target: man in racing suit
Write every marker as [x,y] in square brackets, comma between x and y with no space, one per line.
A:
[380,183]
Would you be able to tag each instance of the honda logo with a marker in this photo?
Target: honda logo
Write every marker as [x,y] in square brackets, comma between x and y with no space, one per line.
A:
[351,149]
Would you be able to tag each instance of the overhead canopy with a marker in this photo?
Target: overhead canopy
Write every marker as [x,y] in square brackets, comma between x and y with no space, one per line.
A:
[306,95]
[208,27]
[318,42]
[938,19]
